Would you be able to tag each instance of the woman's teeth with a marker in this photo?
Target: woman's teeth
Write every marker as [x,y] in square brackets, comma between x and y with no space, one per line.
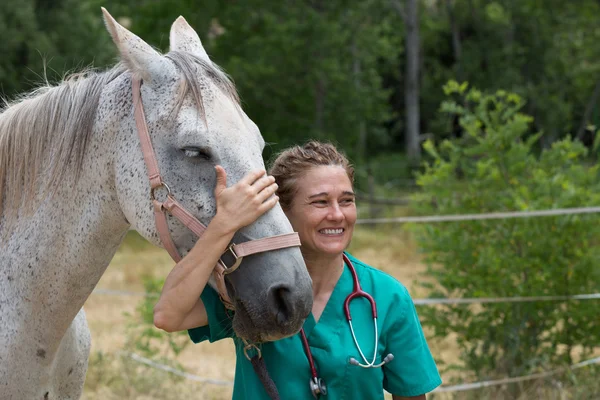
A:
[332,231]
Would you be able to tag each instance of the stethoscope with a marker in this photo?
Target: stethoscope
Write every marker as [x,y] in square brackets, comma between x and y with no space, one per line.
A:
[317,384]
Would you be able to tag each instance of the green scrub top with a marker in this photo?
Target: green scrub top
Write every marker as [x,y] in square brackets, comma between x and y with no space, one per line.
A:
[412,372]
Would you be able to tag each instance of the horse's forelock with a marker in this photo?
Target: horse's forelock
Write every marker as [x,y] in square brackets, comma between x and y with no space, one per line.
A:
[188,65]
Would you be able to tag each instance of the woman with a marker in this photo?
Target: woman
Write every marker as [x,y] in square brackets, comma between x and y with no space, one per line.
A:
[314,185]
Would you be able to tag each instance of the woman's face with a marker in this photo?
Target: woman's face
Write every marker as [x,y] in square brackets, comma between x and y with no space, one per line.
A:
[323,211]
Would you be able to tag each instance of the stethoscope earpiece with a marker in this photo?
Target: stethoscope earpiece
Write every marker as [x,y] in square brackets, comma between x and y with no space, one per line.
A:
[387,359]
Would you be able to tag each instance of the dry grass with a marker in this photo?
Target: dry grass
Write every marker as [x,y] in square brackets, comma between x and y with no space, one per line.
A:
[112,375]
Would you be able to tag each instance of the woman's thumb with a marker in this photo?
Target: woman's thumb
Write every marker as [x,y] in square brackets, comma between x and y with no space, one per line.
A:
[221,179]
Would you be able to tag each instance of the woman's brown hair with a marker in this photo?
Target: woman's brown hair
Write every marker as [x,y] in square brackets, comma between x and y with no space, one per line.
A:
[292,163]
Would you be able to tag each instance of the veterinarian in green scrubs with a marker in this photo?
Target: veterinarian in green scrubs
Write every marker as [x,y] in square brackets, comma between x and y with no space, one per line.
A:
[314,188]
[412,372]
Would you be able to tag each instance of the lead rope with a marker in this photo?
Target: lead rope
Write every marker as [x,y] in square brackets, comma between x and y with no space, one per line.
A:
[258,363]
[260,368]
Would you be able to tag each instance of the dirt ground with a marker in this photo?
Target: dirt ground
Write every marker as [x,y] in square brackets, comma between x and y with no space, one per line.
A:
[107,316]
[113,375]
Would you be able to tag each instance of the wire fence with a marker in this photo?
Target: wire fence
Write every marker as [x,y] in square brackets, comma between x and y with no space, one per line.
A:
[423,301]
[479,385]
[430,301]
[442,389]
[482,216]
[175,371]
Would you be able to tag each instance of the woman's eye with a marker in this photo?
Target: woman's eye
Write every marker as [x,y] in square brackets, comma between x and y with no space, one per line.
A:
[320,202]
[195,152]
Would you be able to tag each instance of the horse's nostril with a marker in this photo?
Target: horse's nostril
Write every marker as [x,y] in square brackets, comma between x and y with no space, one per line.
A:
[281,305]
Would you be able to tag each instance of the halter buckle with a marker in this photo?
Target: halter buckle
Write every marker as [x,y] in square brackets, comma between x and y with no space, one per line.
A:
[236,264]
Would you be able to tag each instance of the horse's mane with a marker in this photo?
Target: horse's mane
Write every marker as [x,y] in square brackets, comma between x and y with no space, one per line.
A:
[44,134]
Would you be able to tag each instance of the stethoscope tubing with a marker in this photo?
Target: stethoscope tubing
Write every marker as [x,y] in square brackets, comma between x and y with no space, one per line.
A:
[356,293]
[311,362]
[367,363]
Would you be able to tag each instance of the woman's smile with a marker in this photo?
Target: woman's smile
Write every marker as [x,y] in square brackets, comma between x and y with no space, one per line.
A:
[334,232]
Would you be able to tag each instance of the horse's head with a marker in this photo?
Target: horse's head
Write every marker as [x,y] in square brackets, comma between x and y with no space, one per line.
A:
[195,122]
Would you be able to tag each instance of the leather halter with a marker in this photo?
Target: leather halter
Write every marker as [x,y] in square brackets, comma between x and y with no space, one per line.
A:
[238,251]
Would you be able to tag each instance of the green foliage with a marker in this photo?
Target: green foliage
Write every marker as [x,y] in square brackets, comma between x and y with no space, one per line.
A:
[546,54]
[147,340]
[335,70]
[493,168]
[117,376]
[311,70]
[390,172]
[303,70]
[578,384]
[43,40]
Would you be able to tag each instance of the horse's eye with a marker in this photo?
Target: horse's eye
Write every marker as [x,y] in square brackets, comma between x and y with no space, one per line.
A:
[196,152]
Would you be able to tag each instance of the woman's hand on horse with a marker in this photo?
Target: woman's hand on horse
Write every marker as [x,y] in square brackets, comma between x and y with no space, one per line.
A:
[242,204]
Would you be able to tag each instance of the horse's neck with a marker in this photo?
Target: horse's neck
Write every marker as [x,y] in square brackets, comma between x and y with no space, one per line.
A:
[54,258]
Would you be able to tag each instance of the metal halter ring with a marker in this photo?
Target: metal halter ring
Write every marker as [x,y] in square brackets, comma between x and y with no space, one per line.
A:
[250,346]
[162,184]
[238,261]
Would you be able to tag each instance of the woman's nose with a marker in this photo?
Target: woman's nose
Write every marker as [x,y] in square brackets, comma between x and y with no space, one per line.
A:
[335,213]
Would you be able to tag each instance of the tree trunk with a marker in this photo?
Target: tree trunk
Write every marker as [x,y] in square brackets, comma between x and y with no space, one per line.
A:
[320,95]
[361,143]
[588,111]
[456,45]
[411,85]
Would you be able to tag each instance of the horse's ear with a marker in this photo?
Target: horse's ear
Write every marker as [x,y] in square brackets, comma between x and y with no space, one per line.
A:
[184,38]
[139,57]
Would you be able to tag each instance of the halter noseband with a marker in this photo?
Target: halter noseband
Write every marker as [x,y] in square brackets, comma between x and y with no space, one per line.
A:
[238,251]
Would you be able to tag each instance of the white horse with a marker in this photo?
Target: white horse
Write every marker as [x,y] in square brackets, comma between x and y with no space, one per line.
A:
[73,182]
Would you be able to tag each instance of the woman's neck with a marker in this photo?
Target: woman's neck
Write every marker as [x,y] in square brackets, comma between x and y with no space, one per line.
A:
[324,271]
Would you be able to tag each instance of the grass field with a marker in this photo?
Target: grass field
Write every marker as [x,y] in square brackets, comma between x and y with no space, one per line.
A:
[112,375]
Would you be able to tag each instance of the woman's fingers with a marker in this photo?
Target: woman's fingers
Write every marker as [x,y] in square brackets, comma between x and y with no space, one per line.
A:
[221,179]
[268,204]
[241,204]
[252,176]
[263,183]
[267,192]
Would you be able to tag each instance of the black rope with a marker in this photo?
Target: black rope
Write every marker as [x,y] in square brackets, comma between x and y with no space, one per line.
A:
[258,363]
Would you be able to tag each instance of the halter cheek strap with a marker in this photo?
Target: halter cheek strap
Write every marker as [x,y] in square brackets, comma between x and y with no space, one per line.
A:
[173,207]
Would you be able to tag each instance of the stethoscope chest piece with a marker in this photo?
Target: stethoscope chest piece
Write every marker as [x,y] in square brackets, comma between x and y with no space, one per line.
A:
[318,387]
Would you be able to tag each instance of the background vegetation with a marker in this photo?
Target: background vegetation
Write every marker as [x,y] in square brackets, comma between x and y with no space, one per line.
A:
[504,96]
[336,69]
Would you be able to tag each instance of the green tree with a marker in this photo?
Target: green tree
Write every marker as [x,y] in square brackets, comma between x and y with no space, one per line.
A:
[494,167]
[312,69]
[20,44]
[44,40]
[303,69]
[545,54]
